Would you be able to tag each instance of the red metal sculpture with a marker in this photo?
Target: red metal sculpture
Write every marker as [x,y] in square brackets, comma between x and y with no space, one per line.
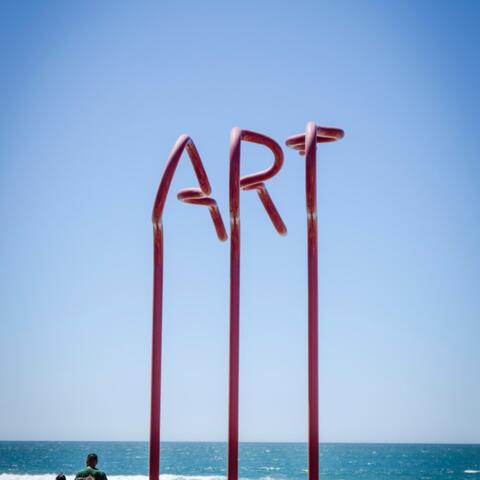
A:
[196,196]
[249,182]
[306,144]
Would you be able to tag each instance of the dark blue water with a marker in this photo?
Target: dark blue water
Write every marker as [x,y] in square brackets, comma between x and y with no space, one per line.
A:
[39,460]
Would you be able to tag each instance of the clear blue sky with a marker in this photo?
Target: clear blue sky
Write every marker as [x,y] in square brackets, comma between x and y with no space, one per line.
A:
[94,94]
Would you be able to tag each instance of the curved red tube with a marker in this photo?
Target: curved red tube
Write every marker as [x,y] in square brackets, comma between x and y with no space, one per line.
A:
[307,144]
[248,182]
[196,196]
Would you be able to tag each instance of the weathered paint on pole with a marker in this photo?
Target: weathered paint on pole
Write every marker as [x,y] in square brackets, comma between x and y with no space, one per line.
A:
[306,144]
[196,196]
[249,182]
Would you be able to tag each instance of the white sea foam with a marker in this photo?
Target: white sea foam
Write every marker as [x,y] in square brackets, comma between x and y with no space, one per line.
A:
[166,476]
[51,476]
[471,471]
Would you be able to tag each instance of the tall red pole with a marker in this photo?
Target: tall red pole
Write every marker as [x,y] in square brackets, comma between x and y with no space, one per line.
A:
[154,466]
[249,182]
[307,144]
[196,196]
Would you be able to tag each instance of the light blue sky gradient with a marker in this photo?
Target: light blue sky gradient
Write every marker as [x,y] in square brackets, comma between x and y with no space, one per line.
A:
[93,96]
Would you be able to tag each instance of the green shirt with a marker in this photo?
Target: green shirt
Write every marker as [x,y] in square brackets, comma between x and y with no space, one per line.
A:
[91,472]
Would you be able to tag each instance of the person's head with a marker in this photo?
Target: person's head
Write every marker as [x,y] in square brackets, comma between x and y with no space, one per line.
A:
[92,460]
[60,476]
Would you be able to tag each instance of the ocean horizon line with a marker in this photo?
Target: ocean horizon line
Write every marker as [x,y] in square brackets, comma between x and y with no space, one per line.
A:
[245,442]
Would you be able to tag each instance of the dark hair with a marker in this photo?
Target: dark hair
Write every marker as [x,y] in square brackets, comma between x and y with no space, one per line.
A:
[60,476]
[92,456]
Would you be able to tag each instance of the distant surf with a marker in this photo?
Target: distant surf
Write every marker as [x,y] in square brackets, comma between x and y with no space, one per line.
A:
[51,476]
[257,461]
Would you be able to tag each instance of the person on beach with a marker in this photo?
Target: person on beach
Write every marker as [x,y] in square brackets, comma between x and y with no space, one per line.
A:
[60,476]
[91,472]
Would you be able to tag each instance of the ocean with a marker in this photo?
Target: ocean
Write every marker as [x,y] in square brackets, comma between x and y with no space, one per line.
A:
[258,461]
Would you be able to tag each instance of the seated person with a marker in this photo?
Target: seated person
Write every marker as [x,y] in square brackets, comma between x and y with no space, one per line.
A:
[91,472]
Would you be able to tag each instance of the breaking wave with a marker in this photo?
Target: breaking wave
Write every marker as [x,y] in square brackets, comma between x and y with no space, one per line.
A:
[166,476]
[51,476]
